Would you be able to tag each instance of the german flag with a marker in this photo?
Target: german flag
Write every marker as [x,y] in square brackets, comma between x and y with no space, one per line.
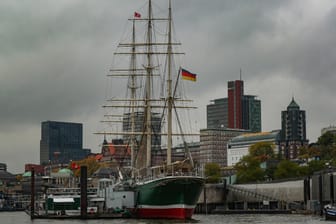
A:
[186,75]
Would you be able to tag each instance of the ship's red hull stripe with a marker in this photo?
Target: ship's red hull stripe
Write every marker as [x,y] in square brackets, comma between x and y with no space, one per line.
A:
[166,213]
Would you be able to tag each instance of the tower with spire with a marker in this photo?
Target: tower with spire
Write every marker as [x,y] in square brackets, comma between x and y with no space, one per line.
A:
[293,130]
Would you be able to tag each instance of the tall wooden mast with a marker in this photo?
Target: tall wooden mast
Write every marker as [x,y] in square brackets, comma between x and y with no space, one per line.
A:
[149,69]
[169,88]
[133,97]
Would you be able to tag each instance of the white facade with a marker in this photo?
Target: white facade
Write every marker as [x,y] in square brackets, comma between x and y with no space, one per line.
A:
[236,154]
[331,129]
[238,147]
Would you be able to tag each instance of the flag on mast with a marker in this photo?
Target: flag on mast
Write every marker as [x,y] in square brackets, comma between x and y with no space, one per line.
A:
[186,75]
[137,15]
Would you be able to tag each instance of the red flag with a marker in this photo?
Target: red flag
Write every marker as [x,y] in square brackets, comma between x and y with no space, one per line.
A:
[137,15]
[188,75]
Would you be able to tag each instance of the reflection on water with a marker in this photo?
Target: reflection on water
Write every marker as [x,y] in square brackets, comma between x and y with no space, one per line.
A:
[23,218]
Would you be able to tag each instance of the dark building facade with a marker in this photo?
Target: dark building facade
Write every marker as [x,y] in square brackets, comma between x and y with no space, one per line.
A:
[251,114]
[293,130]
[61,142]
[238,111]
[217,113]
[139,127]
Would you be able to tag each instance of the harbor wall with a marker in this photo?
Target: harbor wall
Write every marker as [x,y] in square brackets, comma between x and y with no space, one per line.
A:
[272,196]
[284,191]
[289,191]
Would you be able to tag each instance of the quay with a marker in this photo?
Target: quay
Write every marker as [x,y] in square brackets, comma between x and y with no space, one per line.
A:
[88,216]
[302,195]
[295,196]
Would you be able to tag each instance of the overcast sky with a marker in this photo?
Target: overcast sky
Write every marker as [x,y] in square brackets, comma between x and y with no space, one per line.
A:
[55,55]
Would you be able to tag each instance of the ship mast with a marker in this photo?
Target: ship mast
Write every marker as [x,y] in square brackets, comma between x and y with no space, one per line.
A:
[133,96]
[169,88]
[149,69]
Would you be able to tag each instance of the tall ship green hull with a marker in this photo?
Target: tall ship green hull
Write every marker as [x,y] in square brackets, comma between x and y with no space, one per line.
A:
[151,120]
[173,197]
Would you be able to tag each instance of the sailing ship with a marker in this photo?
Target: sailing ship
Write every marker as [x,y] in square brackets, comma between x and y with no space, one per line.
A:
[169,189]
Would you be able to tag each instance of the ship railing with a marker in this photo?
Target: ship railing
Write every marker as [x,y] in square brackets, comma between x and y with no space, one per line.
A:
[70,191]
[167,174]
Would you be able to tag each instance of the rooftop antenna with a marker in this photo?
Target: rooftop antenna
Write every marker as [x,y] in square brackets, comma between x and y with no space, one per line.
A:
[240,74]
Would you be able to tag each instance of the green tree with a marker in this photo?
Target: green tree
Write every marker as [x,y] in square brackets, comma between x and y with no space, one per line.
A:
[327,144]
[326,139]
[303,153]
[288,169]
[212,172]
[316,165]
[262,151]
[249,170]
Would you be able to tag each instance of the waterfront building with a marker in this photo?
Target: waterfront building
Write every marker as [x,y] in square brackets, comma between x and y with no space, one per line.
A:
[251,115]
[63,178]
[38,169]
[115,152]
[239,146]
[330,129]
[217,113]
[178,153]
[213,145]
[6,179]
[293,130]
[3,167]
[139,126]
[237,111]
[61,142]
[26,183]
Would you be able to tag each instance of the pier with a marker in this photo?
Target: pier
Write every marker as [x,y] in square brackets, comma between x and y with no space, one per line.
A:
[273,197]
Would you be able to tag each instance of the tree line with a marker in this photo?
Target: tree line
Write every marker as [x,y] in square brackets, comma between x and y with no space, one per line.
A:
[263,164]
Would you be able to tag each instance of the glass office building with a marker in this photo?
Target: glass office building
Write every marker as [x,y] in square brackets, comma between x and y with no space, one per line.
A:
[61,142]
[237,111]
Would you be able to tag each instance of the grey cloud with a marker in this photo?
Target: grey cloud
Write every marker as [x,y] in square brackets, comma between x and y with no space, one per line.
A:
[54,56]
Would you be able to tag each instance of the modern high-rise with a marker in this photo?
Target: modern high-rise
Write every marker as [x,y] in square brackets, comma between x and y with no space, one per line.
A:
[213,145]
[293,130]
[217,113]
[139,127]
[61,142]
[235,98]
[238,111]
[251,114]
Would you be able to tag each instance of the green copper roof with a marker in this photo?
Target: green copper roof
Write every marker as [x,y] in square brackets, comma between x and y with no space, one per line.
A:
[260,136]
[27,174]
[65,170]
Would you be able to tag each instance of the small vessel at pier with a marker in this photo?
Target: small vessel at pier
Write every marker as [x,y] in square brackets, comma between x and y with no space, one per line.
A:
[330,212]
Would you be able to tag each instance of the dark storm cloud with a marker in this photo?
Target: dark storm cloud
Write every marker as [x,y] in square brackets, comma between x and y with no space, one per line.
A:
[53,58]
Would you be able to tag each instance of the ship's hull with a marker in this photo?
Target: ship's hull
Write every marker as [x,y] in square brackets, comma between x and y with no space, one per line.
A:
[169,197]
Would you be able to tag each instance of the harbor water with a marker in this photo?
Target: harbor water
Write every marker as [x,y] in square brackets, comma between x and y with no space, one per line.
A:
[23,218]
